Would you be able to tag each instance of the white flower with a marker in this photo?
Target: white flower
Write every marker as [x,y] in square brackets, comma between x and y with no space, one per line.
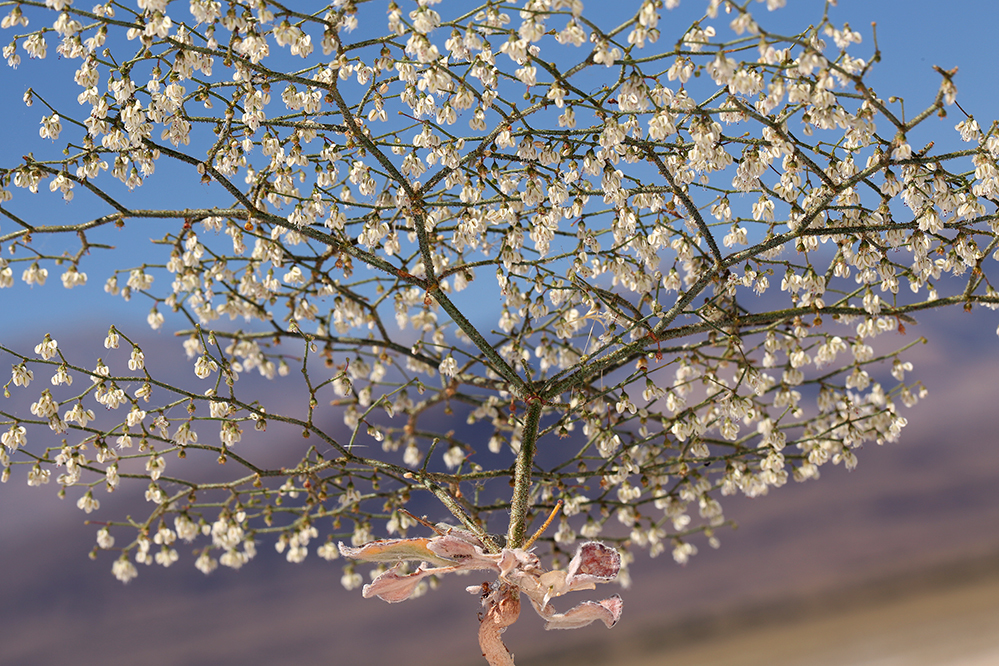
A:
[137,360]
[155,494]
[230,433]
[79,414]
[45,406]
[87,503]
[454,456]
[111,477]
[38,476]
[61,376]
[20,375]
[155,467]
[104,538]
[35,275]
[204,366]
[73,278]
[166,556]
[185,435]
[164,536]
[124,570]
[351,580]
[47,348]
[111,341]
[155,319]
[206,563]
[448,367]
[14,437]
[899,368]
[682,552]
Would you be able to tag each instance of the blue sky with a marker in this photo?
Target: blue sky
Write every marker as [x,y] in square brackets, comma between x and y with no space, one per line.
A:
[912,35]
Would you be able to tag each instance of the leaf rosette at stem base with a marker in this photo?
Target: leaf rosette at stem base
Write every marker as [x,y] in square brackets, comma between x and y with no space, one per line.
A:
[519,572]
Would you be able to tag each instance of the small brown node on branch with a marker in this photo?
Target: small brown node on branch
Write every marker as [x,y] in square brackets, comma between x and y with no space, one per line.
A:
[535,399]
[655,338]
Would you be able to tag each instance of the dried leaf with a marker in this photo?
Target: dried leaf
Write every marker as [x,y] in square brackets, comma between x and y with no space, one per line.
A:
[393,587]
[395,550]
[457,548]
[515,562]
[607,611]
[540,588]
[593,563]
[503,609]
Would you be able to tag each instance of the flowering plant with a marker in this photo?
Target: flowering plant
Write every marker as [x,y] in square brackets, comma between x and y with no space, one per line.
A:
[495,258]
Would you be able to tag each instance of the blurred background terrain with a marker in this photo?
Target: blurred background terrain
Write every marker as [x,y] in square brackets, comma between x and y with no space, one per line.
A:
[894,562]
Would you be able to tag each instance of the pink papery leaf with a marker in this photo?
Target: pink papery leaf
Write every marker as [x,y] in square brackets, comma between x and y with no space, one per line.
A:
[461,549]
[393,587]
[593,563]
[395,550]
[607,611]
[540,586]
[514,563]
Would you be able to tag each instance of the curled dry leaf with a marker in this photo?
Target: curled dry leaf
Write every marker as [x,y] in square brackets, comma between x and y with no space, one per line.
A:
[502,610]
[607,611]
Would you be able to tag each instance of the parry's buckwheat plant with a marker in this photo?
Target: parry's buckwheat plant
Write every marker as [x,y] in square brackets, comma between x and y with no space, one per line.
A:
[491,259]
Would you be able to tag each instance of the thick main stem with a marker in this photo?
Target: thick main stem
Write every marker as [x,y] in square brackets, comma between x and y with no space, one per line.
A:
[519,506]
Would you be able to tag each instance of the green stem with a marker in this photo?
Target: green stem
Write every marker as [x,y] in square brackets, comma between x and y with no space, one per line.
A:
[521,503]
